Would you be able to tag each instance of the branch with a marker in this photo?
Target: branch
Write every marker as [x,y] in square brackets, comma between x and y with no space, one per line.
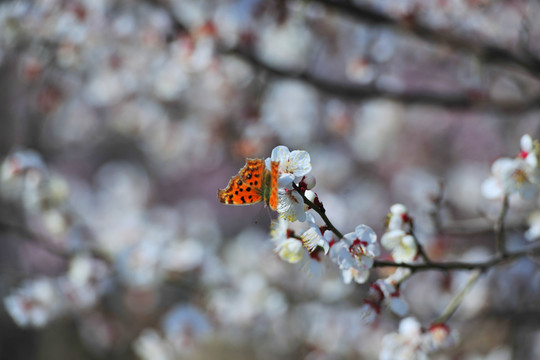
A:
[320,210]
[26,234]
[420,249]
[455,100]
[461,100]
[456,301]
[499,228]
[501,257]
[487,53]
[458,265]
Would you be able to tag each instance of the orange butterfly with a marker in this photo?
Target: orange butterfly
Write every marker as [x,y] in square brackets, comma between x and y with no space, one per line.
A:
[253,184]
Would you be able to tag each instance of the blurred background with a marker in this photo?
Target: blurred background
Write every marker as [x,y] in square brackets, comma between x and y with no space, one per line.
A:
[119,120]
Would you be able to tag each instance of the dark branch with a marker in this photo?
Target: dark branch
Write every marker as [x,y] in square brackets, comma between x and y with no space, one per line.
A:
[487,53]
[457,100]
[499,228]
[320,210]
[459,265]
[431,265]
[461,100]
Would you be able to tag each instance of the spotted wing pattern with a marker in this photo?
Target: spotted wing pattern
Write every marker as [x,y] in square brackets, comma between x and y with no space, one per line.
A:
[247,186]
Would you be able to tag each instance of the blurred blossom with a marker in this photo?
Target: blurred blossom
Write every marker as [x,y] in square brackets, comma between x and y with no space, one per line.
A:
[169,81]
[360,71]
[519,175]
[533,232]
[343,323]
[122,185]
[184,326]
[35,303]
[398,238]
[21,170]
[250,299]
[11,16]
[285,45]
[290,109]
[384,46]
[249,250]
[415,186]
[134,107]
[139,265]
[151,346]
[440,337]
[189,12]
[138,118]
[386,291]
[237,72]
[332,166]
[405,345]
[377,123]
[338,118]
[183,256]
[228,19]
[75,122]
[462,183]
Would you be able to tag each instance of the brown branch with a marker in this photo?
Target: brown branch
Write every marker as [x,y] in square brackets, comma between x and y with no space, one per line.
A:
[501,257]
[487,53]
[459,265]
[460,100]
[27,235]
[455,100]
[420,249]
[320,210]
[499,228]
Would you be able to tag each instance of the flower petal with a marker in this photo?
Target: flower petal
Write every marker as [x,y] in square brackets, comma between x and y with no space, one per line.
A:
[299,163]
[280,153]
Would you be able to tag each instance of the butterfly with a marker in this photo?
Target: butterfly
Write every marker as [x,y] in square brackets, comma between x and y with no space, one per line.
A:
[253,183]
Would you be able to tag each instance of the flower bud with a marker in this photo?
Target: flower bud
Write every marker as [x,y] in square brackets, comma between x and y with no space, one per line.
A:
[309,181]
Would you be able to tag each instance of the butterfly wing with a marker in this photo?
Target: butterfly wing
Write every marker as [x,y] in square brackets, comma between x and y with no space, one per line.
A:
[246,187]
[272,199]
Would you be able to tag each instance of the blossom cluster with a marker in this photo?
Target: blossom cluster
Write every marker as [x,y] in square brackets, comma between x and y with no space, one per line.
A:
[518,176]
[413,342]
[134,108]
[354,253]
[519,179]
[132,247]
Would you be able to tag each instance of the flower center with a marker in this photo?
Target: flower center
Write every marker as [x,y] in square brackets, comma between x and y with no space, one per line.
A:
[358,247]
[519,176]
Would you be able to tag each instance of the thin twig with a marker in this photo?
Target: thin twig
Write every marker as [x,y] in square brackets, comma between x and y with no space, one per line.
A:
[499,228]
[457,300]
[319,210]
[435,213]
[459,265]
[420,249]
